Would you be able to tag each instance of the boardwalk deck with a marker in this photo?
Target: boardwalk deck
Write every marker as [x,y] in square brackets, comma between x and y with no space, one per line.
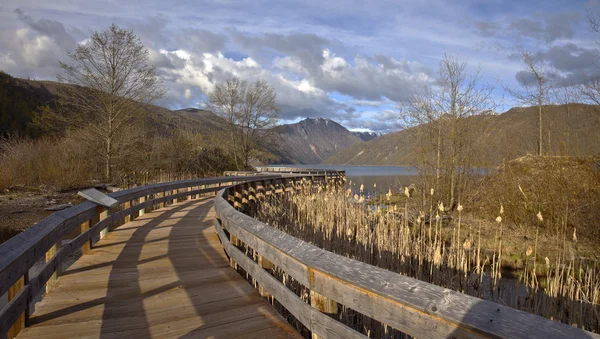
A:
[163,275]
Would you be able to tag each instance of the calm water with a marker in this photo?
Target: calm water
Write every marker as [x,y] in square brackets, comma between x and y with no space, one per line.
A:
[385,177]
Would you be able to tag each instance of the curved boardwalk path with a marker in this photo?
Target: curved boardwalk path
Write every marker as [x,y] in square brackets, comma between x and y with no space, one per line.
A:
[163,275]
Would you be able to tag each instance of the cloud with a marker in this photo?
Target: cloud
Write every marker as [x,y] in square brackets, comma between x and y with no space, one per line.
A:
[49,28]
[372,79]
[549,28]
[340,60]
[487,28]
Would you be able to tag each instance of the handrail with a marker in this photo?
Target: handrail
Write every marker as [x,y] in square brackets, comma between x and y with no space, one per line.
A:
[409,305]
[44,239]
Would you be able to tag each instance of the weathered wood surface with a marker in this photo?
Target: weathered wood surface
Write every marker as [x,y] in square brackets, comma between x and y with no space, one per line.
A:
[19,254]
[414,307]
[165,274]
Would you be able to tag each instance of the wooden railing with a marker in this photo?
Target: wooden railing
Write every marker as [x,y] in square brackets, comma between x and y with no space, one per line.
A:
[88,221]
[413,307]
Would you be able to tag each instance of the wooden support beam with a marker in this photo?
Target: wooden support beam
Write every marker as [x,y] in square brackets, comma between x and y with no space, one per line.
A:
[267,266]
[126,205]
[102,214]
[235,242]
[20,323]
[87,246]
[57,272]
[143,210]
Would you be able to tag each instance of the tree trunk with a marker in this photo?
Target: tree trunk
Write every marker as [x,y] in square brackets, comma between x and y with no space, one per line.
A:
[439,154]
[540,124]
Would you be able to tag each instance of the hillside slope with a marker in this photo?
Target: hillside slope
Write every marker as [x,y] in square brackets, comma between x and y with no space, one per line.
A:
[310,141]
[568,130]
[20,99]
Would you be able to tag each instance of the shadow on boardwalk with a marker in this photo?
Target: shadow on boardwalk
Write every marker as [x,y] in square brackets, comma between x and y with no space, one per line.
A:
[163,275]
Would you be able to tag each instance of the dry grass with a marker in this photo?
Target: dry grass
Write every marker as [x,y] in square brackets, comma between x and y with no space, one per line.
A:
[55,163]
[449,255]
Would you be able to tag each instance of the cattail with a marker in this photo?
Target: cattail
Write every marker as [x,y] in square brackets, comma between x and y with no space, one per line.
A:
[441,207]
[407,192]
[499,219]
[467,244]
[375,185]
[529,251]
[362,188]
[501,209]
[459,208]
[574,234]
[437,257]
[432,192]
[539,216]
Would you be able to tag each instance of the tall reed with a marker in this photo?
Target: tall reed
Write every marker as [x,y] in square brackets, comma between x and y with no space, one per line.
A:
[431,249]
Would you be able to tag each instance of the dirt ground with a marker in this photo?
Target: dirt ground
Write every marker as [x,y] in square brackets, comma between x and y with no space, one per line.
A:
[20,208]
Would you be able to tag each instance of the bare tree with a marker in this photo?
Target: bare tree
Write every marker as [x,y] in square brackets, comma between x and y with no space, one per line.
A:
[536,86]
[446,110]
[567,95]
[250,110]
[113,81]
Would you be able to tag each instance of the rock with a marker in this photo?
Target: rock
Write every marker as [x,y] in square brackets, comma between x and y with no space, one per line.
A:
[58,207]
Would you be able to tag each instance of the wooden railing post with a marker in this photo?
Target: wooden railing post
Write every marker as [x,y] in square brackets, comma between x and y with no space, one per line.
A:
[324,305]
[13,291]
[161,204]
[235,242]
[127,218]
[267,266]
[51,252]
[102,214]
[85,249]
[143,210]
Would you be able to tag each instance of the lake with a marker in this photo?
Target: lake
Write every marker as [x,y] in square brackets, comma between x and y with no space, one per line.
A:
[386,177]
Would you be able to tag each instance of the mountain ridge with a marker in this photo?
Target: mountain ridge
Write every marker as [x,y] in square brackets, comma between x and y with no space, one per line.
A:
[571,129]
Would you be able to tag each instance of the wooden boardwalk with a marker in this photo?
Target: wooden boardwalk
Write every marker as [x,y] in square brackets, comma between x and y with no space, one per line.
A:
[163,275]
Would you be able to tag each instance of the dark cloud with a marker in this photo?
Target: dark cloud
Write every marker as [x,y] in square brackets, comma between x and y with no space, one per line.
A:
[487,28]
[50,28]
[304,48]
[570,57]
[201,41]
[548,28]
[551,28]
[566,64]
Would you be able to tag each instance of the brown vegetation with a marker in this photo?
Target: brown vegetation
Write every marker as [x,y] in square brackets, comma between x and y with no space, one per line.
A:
[449,255]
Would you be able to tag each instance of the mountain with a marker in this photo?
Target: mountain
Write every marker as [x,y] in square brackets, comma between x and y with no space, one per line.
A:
[366,136]
[20,100]
[310,141]
[572,129]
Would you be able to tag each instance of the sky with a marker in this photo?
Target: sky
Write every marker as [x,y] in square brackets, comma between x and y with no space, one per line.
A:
[354,62]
